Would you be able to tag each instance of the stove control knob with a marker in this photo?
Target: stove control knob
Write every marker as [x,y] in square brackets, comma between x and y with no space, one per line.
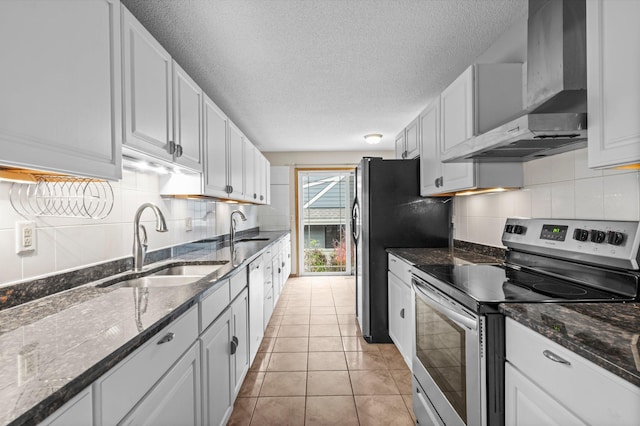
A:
[597,236]
[518,229]
[508,229]
[615,238]
[580,234]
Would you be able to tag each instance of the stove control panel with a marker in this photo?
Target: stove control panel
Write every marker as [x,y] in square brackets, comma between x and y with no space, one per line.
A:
[610,243]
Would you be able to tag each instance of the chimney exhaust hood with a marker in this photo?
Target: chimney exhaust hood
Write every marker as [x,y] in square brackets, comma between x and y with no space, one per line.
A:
[556,114]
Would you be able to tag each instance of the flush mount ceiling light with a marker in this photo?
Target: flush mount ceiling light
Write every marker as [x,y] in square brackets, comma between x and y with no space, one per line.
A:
[372,138]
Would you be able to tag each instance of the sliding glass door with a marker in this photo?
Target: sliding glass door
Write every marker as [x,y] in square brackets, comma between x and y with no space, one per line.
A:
[324,216]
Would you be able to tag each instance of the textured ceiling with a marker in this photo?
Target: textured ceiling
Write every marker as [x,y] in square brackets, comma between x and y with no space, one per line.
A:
[317,75]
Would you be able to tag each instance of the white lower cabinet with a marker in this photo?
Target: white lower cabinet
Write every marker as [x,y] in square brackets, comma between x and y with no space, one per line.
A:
[118,391]
[217,345]
[256,306]
[240,316]
[175,400]
[547,384]
[77,412]
[401,317]
[225,361]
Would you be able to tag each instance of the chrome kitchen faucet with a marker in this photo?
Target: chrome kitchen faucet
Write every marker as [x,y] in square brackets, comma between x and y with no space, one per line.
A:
[232,225]
[140,247]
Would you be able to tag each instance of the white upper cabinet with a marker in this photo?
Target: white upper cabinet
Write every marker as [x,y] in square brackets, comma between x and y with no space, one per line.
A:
[613,82]
[215,146]
[400,150]
[250,165]
[187,119]
[474,103]
[148,104]
[236,162]
[60,86]
[163,105]
[481,98]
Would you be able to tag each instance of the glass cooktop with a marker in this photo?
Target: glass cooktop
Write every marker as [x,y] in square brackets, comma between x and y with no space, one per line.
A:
[497,283]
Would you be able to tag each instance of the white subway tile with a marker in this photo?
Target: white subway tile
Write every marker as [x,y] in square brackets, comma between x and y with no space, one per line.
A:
[589,198]
[621,197]
[581,167]
[43,260]
[563,200]
[521,202]
[8,216]
[563,167]
[537,172]
[11,269]
[540,201]
[83,245]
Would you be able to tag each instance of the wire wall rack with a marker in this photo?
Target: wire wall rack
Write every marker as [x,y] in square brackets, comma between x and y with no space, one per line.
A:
[63,196]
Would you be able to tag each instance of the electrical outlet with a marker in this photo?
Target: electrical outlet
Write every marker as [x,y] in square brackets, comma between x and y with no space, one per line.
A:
[25,237]
[188,223]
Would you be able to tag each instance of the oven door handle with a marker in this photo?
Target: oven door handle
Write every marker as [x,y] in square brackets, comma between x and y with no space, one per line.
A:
[463,320]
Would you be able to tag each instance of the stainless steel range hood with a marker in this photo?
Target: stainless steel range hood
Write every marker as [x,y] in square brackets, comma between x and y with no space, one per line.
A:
[555,119]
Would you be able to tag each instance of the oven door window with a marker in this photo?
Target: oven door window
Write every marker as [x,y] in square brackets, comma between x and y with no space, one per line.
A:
[441,349]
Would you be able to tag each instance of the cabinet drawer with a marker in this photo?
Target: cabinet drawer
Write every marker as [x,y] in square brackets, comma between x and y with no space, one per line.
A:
[400,269]
[596,395]
[122,387]
[238,282]
[213,305]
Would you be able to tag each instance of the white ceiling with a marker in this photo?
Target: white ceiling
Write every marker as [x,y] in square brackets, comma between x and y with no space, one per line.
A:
[317,75]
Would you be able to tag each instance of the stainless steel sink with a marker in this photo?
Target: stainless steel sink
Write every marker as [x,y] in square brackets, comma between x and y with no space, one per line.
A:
[198,270]
[161,281]
[244,240]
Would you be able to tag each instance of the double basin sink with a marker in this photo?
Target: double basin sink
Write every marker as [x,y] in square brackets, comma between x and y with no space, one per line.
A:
[180,275]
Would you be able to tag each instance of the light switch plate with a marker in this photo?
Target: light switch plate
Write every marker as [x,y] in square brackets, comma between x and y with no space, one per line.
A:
[25,236]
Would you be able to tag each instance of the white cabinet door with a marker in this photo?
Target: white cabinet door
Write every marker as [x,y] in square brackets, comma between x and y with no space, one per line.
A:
[236,162]
[187,120]
[256,306]
[400,146]
[240,313]
[411,143]
[175,400]
[430,165]
[148,115]
[613,82]
[60,86]
[457,125]
[217,370]
[396,331]
[215,146]
[250,171]
[528,405]
[77,412]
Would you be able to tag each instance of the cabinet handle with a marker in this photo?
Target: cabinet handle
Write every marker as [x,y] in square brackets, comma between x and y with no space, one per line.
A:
[255,195]
[555,358]
[234,345]
[179,151]
[172,147]
[261,198]
[229,189]
[283,264]
[437,182]
[167,338]
[402,313]
[279,270]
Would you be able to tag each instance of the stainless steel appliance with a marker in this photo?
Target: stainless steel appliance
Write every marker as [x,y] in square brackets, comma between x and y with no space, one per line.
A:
[458,365]
[556,104]
[388,212]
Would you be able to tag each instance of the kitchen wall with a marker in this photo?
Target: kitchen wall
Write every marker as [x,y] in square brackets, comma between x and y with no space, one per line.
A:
[64,243]
[560,186]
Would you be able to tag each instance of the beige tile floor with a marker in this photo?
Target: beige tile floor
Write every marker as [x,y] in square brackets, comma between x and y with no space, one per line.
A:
[314,367]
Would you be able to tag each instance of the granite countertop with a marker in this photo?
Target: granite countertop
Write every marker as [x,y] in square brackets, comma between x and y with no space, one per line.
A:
[444,256]
[54,347]
[606,334]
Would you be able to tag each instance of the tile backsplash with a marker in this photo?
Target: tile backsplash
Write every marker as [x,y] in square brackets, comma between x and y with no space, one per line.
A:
[68,243]
[561,186]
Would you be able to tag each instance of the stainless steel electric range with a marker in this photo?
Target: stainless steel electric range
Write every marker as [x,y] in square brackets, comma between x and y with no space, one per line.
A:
[458,364]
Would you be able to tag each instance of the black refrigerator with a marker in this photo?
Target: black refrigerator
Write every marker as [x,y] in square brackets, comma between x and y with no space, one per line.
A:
[388,212]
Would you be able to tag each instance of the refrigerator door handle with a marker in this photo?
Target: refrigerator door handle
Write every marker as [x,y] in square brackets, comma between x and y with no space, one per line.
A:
[355,213]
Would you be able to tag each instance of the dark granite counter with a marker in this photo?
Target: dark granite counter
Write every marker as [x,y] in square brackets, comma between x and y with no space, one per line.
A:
[443,256]
[54,347]
[606,334]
